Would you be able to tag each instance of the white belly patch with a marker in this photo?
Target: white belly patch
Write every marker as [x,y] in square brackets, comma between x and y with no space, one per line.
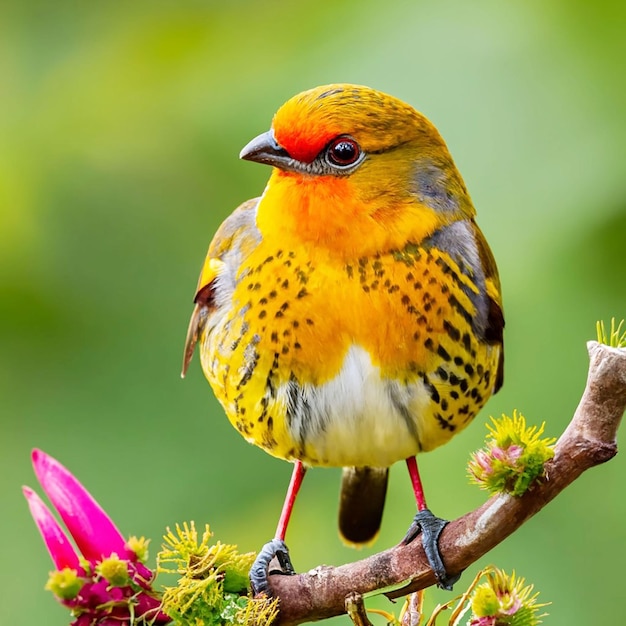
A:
[357,418]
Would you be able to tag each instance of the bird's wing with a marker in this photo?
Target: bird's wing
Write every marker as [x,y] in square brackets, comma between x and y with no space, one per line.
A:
[464,242]
[233,242]
[494,329]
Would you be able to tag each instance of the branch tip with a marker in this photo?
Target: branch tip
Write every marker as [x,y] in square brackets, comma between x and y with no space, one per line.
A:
[588,440]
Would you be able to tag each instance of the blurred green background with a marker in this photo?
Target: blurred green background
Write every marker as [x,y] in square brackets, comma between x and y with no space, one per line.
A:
[120,126]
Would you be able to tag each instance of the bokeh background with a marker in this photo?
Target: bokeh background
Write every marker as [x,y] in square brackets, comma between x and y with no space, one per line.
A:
[120,126]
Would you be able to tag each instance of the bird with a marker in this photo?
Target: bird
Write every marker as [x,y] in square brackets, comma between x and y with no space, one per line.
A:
[351,316]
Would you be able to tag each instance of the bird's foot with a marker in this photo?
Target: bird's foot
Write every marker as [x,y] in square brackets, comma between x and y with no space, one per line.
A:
[260,570]
[430,527]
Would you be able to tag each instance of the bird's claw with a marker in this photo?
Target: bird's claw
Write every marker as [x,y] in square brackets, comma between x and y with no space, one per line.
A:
[430,527]
[260,570]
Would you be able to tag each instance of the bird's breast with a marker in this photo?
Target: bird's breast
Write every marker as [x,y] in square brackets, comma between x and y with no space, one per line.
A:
[348,363]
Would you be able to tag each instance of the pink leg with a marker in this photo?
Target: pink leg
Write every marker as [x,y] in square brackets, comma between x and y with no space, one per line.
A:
[430,527]
[276,548]
[297,477]
[416,481]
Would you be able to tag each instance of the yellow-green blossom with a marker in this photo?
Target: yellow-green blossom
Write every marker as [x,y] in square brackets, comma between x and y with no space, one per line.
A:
[212,586]
[139,545]
[504,600]
[64,584]
[500,600]
[513,457]
[114,570]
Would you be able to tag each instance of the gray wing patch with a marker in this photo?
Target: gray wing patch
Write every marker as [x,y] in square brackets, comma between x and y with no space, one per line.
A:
[432,188]
[238,235]
[459,242]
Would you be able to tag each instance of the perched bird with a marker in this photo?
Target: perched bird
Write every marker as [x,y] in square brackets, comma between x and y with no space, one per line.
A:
[351,316]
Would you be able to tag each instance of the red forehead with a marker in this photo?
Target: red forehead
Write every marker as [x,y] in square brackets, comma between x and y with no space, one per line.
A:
[304,131]
[306,123]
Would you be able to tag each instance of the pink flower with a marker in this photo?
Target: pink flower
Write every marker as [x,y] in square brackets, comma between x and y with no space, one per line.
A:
[109,584]
[484,461]
[59,546]
[509,455]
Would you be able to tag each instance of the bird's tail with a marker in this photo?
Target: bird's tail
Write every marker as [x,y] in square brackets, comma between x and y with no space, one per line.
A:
[361,503]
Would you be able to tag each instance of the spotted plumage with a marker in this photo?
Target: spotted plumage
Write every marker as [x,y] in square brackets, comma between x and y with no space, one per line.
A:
[402,359]
[351,316]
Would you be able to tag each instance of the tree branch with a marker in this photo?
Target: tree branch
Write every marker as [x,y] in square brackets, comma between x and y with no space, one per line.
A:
[590,439]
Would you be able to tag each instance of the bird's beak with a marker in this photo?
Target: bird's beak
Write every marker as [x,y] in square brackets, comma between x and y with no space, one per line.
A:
[265,149]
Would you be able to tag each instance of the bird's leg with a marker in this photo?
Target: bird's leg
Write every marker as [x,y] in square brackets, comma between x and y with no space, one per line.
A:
[276,548]
[297,476]
[430,527]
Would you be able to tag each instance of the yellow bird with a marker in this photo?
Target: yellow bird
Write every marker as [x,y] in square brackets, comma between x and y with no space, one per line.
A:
[351,316]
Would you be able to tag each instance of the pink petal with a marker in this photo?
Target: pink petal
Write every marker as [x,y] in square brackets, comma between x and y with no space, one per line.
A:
[498,453]
[141,575]
[59,546]
[93,595]
[484,460]
[93,530]
[148,607]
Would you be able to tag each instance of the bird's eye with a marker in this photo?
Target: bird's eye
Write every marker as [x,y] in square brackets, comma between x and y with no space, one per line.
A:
[342,152]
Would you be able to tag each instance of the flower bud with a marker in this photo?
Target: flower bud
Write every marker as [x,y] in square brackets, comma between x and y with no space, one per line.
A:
[114,571]
[64,584]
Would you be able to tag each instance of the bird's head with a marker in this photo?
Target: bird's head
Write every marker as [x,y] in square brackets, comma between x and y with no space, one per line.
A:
[347,155]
